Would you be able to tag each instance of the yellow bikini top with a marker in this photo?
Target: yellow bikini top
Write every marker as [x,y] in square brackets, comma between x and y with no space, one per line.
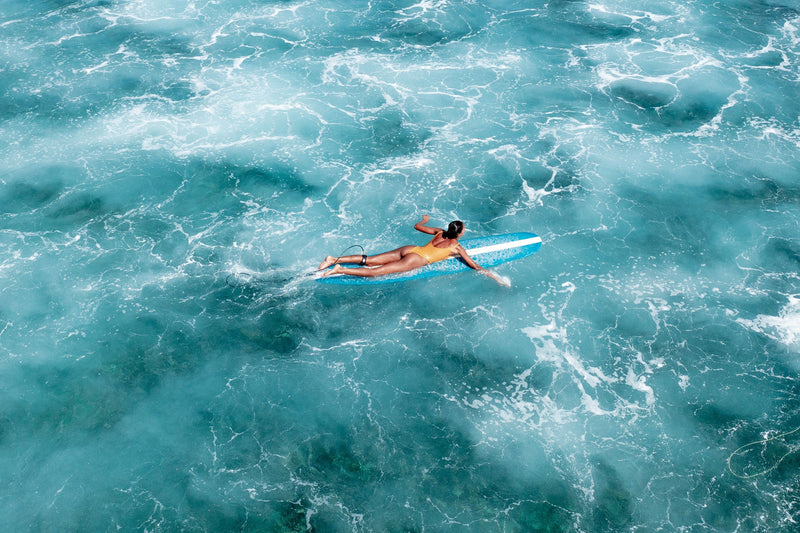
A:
[433,254]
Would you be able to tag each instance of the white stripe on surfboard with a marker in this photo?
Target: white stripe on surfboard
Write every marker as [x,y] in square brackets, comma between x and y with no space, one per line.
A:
[503,246]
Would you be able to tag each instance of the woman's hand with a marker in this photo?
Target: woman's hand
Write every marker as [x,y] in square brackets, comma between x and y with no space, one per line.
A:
[499,279]
[420,226]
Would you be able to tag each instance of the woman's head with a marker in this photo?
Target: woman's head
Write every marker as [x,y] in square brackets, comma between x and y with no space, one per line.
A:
[454,230]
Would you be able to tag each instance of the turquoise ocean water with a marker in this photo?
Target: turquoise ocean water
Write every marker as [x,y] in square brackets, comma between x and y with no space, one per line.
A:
[170,170]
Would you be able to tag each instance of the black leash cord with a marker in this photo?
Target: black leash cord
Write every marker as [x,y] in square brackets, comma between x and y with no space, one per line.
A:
[344,252]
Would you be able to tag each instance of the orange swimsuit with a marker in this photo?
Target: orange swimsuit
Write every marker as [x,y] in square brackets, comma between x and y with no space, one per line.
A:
[431,253]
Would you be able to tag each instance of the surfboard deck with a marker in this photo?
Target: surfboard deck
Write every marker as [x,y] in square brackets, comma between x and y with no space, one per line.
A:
[488,252]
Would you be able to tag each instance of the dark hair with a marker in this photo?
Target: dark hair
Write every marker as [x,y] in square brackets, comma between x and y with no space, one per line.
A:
[453,230]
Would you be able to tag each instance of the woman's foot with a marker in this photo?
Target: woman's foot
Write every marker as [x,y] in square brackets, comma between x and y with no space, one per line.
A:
[337,269]
[327,262]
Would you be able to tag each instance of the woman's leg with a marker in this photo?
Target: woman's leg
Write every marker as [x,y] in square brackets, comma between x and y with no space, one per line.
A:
[406,263]
[388,257]
[374,260]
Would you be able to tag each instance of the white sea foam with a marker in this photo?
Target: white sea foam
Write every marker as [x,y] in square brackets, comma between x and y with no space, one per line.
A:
[115,320]
[784,328]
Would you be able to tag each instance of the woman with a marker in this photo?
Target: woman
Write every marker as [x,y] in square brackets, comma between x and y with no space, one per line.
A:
[443,245]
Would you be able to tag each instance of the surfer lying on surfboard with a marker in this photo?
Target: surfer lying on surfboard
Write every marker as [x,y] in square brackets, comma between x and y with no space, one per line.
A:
[443,245]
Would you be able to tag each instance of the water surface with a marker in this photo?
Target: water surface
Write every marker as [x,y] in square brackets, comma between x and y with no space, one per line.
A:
[170,171]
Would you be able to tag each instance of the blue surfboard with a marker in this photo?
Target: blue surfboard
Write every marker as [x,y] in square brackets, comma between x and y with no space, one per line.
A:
[487,251]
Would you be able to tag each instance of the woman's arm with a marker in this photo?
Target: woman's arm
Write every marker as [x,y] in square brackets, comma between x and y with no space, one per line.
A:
[420,226]
[472,264]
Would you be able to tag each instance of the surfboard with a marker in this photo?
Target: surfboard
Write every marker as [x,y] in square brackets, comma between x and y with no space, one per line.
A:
[488,252]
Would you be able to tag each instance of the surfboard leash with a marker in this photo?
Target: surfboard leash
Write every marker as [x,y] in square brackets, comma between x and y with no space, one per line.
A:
[344,252]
